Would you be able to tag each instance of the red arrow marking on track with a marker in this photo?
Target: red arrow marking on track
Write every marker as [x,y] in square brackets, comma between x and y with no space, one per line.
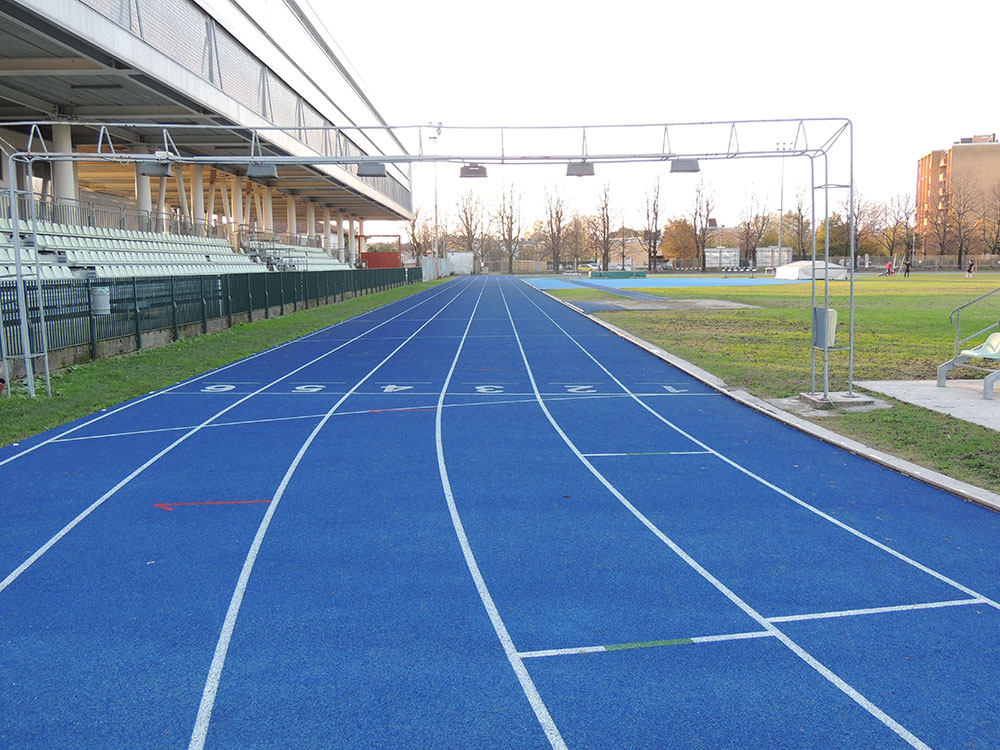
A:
[171,506]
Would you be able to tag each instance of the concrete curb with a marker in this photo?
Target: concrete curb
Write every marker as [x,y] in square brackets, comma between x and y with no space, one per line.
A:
[966,491]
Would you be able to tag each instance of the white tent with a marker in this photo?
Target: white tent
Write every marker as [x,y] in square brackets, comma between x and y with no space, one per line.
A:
[803,269]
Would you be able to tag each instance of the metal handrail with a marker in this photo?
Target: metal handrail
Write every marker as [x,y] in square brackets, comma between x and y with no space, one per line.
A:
[958,322]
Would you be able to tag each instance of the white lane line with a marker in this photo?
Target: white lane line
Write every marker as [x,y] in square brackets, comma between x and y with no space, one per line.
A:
[805,656]
[527,684]
[170,389]
[742,469]
[656,453]
[211,690]
[732,636]
[876,610]
[611,648]
[562,652]
[16,573]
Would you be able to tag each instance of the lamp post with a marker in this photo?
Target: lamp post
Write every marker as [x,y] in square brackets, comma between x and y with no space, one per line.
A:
[437,133]
[783,146]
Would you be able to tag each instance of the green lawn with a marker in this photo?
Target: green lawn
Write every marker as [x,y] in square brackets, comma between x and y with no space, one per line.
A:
[901,333]
[88,388]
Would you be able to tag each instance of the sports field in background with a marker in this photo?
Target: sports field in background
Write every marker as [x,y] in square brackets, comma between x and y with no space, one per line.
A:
[901,333]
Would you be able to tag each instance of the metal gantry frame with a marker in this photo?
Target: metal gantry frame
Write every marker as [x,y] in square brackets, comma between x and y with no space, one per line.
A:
[826,134]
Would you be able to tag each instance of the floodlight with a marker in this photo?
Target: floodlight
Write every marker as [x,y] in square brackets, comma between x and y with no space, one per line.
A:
[685,165]
[257,171]
[155,169]
[580,169]
[371,169]
[472,170]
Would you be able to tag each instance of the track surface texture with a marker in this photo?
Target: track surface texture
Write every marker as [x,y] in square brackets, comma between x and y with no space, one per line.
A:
[474,518]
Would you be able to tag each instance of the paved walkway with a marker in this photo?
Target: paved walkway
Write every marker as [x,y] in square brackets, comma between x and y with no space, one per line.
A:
[962,398]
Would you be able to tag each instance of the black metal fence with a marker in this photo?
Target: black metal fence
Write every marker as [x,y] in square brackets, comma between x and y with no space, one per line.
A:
[140,305]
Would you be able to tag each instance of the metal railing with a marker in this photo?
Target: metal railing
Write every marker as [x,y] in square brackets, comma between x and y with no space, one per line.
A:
[955,318]
[83,213]
[140,305]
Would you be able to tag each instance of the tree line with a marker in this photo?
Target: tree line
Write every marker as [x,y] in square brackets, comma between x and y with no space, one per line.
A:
[967,223]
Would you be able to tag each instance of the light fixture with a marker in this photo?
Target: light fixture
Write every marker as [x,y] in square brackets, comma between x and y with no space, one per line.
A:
[580,169]
[685,165]
[155,169]
[265,172]
[371,169]
[472,170]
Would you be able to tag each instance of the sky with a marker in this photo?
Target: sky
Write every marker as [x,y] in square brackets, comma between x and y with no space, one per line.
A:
[911,77]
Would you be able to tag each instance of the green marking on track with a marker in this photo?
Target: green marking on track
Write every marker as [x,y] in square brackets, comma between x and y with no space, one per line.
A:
[649,644]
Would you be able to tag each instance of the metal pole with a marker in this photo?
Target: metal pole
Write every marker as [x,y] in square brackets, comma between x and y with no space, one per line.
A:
[3,346]
[826,273]
[812,307]
[854,263]
[22,305]
[781,204]
[92,319]
[39,292]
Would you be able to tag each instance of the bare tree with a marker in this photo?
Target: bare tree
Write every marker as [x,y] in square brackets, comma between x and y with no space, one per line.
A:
[576,239]
[700,218]
[753,223]
[600,226]
[508,219]
[801,225]
[964,208]
[555,226]
[420,234]
[938,228]
[651,231]
[990,219]
[472,225]
[894,226]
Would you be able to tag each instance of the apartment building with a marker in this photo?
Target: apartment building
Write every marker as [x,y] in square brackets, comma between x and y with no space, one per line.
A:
[972,166]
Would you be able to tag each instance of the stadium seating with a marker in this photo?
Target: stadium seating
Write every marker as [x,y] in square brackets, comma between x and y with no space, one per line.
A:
[69,251]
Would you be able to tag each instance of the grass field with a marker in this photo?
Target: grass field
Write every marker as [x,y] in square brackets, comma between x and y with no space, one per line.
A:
[88,388]
[901,333]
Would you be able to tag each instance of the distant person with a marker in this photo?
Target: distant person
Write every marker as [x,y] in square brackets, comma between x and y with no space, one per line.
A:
[971,269]
[906,269]
[888,268]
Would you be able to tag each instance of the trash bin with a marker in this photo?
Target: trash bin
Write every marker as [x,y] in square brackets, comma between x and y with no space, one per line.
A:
[100,300]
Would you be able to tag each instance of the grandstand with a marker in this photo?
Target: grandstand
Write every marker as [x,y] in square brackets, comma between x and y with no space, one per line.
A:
[83,77]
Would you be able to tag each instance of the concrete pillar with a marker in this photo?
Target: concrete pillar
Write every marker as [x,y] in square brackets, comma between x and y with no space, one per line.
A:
[64,185]
[182,196]
[268,219]
[161,206]
[198,199]
[351,240]
[143,193]
[291,215]
[362,240]
[237,183]
[311,219]
[326,229]
[340,237]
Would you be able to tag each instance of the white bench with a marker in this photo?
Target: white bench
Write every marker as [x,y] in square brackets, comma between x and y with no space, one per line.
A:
[989,349]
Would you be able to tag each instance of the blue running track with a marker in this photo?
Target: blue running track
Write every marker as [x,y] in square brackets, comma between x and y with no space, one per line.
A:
[475,518]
